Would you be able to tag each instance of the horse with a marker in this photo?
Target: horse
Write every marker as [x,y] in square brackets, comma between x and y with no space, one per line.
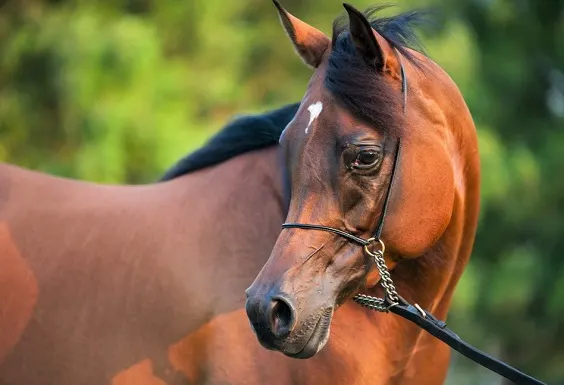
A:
[192,280]
[382,132]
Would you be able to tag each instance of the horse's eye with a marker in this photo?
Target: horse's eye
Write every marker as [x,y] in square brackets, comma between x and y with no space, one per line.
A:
[366,159]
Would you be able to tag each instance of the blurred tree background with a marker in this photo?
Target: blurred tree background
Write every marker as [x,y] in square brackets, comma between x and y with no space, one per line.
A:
[115,92]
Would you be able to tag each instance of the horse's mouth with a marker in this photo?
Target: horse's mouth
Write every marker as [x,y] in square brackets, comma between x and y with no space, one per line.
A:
[317,339]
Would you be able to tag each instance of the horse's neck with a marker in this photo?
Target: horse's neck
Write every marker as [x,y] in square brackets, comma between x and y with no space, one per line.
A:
[430,282]
[231,213]
[243,179]
[402,349]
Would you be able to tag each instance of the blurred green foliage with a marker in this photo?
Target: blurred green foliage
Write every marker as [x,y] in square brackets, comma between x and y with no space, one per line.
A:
[116,91]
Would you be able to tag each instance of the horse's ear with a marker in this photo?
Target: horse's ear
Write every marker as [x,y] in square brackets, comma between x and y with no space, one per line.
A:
[370,44]
[309,42]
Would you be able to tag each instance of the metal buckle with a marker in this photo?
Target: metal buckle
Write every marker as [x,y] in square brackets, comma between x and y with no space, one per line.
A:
[373,253]
[420,310]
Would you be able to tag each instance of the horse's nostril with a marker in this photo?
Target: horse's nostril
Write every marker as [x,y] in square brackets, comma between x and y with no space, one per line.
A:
[282,317]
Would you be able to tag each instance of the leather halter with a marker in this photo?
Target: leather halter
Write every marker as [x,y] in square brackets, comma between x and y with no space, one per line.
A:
[402,307]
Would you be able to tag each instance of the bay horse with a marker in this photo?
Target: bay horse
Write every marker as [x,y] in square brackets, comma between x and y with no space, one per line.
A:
[146,284]
[371,90]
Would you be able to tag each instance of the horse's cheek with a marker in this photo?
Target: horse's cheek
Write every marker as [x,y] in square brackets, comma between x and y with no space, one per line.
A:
[425,205]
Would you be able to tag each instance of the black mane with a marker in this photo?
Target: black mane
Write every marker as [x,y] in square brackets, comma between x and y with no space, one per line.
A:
[356,84]
[243,134]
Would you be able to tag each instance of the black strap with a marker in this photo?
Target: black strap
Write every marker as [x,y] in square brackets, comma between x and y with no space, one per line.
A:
[380,227]
[333,230]
[439,330]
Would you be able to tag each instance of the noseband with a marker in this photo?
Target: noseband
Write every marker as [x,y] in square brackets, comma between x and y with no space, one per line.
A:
[393,302]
